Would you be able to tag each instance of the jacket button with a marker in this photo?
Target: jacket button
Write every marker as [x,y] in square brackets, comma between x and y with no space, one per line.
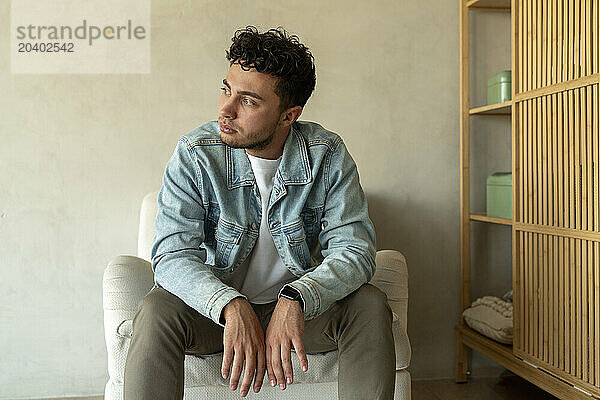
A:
[253,225]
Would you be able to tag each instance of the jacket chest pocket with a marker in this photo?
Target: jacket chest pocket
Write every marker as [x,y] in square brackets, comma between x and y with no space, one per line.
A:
[227,243]
[297,242]
[222,237]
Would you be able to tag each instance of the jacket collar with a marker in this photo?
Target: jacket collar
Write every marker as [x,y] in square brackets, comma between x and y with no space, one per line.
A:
[294,168]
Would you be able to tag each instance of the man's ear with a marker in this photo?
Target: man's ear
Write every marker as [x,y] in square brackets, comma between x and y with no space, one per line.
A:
[289,116]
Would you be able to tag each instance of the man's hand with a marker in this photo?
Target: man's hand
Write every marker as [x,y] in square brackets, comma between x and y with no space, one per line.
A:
[243,342]
[284,331]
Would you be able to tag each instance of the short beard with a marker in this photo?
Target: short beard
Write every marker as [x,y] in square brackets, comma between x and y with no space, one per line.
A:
[260,145]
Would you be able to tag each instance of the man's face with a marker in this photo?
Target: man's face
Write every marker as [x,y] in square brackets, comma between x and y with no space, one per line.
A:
[249,110]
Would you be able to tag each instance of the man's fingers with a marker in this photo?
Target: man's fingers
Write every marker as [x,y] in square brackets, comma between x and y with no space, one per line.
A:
[260,371]
[276,365]
[270,372]
[286,359]
[301,353]
[236,371]
[249,371]
[227,358]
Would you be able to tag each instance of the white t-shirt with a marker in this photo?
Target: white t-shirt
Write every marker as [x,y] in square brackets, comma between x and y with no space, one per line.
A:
[266,272]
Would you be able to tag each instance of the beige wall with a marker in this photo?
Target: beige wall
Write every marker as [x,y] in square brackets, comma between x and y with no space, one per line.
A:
[78,153]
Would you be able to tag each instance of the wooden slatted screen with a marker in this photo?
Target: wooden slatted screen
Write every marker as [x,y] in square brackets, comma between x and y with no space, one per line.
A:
[558,42]
[557,291]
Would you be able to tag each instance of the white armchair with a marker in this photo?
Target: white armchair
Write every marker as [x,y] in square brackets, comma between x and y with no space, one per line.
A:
[127,279]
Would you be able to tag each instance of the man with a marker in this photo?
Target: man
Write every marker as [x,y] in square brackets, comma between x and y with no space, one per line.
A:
[263,242]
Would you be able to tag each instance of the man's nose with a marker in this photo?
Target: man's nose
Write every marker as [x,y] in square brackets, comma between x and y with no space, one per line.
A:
[227,109]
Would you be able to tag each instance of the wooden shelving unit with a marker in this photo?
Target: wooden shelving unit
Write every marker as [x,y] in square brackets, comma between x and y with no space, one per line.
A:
[555,250]
[503,355]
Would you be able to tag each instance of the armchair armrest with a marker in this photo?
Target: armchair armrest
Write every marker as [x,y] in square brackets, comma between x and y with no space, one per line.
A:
[391,277]
[126,281]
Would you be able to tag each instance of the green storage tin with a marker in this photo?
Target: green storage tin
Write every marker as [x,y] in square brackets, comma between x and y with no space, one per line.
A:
[499,88]
[499,195]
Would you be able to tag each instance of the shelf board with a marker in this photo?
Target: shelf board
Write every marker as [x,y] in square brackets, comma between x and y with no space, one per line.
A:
[493,109]
[489,4]
[482,217]
[477,341]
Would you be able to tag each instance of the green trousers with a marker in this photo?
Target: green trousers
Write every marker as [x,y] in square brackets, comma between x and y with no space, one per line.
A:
[165,329]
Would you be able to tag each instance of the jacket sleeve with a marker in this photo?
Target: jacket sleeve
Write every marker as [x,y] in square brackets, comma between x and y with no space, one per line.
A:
[347,239]
[178,261]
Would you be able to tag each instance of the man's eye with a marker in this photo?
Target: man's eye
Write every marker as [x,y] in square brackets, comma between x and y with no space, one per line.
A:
[225,90]
[248,102]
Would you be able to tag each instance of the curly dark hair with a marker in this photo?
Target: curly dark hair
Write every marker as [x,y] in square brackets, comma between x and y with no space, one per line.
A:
[282,56]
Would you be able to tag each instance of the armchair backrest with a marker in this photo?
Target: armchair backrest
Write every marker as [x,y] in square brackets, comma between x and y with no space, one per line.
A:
[147,228]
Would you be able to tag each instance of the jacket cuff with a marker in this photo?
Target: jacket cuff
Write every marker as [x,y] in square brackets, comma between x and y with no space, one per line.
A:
[219,300]
[310,297]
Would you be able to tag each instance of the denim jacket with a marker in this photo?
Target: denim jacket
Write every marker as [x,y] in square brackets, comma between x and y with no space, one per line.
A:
[209,211]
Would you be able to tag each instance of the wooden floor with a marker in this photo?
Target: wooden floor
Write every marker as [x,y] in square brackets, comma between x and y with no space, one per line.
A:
[505,387]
